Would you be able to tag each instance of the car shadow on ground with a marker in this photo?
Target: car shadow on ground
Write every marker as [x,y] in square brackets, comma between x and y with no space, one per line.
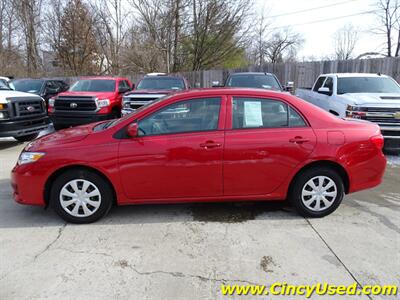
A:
[8,143]
[14,215]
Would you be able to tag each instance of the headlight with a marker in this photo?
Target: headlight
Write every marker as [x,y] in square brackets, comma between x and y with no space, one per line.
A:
[29,157]
[355,112]
[51,102]
[102,103]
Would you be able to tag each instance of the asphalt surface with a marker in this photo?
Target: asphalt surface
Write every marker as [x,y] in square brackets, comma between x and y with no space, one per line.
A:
[188,251]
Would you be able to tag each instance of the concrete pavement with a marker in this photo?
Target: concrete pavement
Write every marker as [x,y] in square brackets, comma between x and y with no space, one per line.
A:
[188,251]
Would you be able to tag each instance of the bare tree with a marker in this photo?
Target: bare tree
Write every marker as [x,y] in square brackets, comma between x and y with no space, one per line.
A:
[345,40]
[29,15]
[111,29]
[260,37]
[389,19]
[283,44]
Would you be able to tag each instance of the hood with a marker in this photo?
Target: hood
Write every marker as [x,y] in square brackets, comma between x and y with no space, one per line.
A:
[373,99]
[61,137]
[147,92]
[92,94]
[12,93]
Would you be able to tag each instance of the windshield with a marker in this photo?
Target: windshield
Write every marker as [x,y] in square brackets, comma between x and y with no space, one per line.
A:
[367,85]
[93,85]
[29,86]
[3,85]
[263,81]
[161,83]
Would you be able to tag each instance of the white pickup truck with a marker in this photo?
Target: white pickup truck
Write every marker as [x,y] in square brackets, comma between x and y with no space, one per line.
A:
[371,97]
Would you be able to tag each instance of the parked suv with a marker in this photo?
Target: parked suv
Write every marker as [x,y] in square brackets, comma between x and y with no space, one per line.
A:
[150,88]
[89,100]
[45,88]
[22,115]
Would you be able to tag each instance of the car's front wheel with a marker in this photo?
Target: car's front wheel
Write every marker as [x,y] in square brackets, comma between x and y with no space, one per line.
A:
[317,192]
[81,196]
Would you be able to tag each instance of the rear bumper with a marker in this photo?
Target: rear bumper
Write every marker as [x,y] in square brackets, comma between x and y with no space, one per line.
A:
[23,127]
[77,118]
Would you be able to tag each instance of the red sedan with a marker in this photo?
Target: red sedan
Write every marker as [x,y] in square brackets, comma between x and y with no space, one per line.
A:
[203,145]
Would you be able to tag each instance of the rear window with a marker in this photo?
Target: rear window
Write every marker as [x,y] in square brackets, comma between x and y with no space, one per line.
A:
[97,85]
[263,81]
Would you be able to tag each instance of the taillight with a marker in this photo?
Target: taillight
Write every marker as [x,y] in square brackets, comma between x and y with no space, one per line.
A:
[378,141]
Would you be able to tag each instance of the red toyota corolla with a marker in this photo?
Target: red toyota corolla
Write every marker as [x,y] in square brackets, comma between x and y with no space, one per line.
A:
[203,145]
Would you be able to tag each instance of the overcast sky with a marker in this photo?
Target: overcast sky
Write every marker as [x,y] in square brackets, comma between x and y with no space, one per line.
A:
[318,35]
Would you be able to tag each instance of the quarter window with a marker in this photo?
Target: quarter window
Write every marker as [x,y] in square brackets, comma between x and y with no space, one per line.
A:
[186,116]
[263,113]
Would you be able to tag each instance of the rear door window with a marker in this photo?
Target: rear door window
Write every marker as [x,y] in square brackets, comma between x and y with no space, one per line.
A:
[263,113]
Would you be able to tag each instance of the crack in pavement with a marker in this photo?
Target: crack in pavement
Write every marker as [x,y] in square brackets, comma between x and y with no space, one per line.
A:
[337,257]
[60,231]
[183,275]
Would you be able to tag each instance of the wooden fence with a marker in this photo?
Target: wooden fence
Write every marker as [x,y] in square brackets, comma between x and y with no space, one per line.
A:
[303,74]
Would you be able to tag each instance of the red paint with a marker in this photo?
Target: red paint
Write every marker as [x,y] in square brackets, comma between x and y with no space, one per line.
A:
[221,165]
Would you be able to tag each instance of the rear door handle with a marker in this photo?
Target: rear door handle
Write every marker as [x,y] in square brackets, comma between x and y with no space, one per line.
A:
[210,144]
[298,140]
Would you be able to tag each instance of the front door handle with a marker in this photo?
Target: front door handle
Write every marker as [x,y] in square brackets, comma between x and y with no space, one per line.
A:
[298,140]
[210,144]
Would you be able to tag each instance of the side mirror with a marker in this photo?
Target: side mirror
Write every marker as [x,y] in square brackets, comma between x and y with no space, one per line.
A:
[52,91]
[325,91]
[133,86]
[133,130]
[123,89]
[216,84]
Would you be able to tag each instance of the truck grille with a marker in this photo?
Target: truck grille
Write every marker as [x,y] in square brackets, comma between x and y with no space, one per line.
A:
[28,108]
[383,115]
[71,103]
[142,99]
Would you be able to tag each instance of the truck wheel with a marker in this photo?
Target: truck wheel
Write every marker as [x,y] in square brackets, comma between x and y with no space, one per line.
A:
[81,196]
[317,192]
[26,138]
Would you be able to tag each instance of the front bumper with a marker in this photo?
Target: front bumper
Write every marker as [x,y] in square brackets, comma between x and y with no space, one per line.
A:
[391,134]
[28,185]
[23,127]
[77,118]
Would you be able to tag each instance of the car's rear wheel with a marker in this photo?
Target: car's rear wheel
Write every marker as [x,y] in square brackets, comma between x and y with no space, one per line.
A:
[317,192]
[81,196]
[26,138]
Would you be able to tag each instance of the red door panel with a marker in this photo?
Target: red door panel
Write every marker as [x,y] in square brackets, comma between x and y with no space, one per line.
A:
[172,166]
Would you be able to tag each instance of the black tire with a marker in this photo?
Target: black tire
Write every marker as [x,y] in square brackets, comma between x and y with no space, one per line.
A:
[106,193]
[26,138]
[300,181]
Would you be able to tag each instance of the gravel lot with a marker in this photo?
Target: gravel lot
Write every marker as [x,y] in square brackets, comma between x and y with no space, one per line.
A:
[187,251]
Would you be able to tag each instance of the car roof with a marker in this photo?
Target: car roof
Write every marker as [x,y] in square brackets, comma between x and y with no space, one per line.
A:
[170,76]
[101,78]
[230,91]
[251,73]
[346,75]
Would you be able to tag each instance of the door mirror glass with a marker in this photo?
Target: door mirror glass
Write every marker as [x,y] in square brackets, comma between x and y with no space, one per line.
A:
[325,91]
[133,129]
